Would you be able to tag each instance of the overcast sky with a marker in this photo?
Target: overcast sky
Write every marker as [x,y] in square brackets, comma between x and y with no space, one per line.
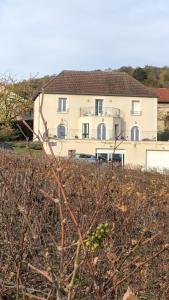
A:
[46,36]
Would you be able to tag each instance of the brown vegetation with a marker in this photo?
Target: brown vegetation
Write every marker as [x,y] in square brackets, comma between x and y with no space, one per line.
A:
[50,209]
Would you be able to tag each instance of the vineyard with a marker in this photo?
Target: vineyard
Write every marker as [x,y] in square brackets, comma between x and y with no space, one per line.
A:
[75,230]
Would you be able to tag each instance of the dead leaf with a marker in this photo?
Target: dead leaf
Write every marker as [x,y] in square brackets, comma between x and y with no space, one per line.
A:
[122,207]
[129,295]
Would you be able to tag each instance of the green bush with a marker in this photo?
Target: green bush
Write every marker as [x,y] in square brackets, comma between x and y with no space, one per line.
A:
[8,134]
[163,135]
[21,145]
[35,146]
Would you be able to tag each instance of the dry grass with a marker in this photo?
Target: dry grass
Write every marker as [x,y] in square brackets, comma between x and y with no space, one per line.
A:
[48,209]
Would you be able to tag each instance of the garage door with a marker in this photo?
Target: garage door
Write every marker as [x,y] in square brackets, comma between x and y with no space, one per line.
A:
[158,159]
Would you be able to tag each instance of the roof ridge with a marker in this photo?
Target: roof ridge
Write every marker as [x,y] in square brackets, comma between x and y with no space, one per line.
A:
[94,71]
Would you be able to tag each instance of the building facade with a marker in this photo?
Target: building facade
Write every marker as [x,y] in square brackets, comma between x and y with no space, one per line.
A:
[132,154]
[162,109]
[95,106]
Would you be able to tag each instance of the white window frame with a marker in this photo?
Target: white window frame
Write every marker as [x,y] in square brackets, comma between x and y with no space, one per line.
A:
[98,113]
[62,105]
[102,125]
[136,112]
[139,133]
[87,131]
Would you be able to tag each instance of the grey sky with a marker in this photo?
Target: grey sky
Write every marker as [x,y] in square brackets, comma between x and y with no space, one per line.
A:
[47,36]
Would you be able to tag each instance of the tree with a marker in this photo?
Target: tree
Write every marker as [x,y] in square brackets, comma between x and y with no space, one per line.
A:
[128,69]
[166,75]
[140,74]
[15,101]
[152,75]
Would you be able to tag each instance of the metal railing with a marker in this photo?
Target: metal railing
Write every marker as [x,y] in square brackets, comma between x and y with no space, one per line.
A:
[62,111]
[136,113]
[109,135]
[104,112]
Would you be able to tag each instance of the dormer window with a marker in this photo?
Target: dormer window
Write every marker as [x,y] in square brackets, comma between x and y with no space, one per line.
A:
[62,105]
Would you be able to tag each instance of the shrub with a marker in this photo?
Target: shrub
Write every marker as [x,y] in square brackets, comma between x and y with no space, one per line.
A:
[8,134]
[81,230]
[163,135]
[35,146]
[21,145]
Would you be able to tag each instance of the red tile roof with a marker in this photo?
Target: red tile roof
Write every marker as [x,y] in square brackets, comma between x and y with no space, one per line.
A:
[162,93]
[100,83]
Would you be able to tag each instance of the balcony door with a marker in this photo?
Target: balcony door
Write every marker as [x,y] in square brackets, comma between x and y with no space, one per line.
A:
[98,107]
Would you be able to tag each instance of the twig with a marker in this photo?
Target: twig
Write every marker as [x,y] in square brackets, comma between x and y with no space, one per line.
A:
[71,284]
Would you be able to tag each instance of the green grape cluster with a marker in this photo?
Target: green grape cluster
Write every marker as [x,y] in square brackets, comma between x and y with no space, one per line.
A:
[96,238]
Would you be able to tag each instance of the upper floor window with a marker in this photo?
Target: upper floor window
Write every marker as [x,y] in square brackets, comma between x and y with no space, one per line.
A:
[101,131]
[62,105]
[98,107]
[136,108]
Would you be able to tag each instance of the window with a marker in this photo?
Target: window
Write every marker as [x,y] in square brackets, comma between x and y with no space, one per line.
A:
[135,133]
[116,131]
[136,108]
[71,153]
[62,105]
[85,130]
[102,156]
[98,107]
[166,121]
[101,131]
[61,131]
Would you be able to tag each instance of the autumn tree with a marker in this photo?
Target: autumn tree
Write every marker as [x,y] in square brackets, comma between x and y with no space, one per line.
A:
[15,100]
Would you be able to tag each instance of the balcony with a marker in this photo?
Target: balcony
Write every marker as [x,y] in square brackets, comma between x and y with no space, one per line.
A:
[108,135]
[136,113]
[105,112]
[62,111]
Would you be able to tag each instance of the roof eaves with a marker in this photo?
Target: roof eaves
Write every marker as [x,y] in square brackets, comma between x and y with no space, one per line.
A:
[103,95]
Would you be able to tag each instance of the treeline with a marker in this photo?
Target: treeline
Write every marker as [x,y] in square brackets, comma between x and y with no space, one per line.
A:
[33,85]
[149,75]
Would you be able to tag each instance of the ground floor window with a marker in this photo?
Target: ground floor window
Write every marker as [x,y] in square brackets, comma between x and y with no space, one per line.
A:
[101,131]
[85,130]
[61,131]
[110,155]
[135,133]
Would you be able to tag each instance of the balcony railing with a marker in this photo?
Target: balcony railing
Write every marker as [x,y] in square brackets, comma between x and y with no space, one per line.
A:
[105,112]
[109,135]
[63,111]
[136,113]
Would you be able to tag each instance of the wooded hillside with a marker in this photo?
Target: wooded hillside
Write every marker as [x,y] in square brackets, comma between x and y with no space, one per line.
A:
[148,75]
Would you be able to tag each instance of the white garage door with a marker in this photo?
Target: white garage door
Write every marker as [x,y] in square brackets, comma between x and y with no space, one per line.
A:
[157,159]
